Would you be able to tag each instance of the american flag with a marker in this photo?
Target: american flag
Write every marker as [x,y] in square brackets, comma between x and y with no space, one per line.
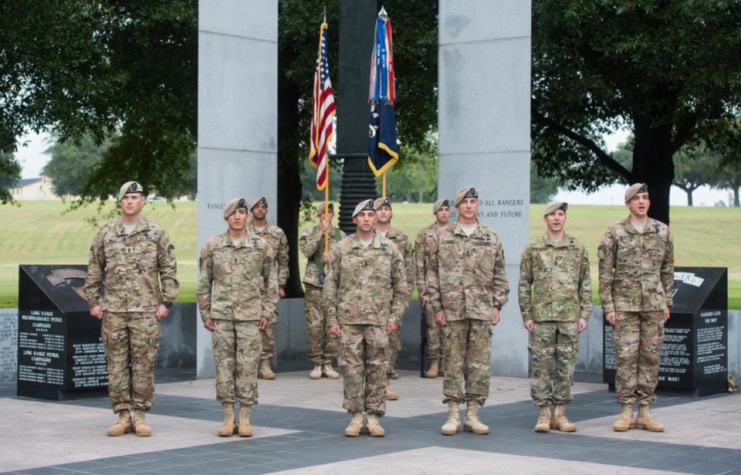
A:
[323,111]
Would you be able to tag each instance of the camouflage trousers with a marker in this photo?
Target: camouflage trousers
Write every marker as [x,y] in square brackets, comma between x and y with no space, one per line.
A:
[131,341]
[362,359]
[467,361]
[638,337]
[268,341]
[236,348]
[549,340]
[435,336]
[322,345]
[392,350]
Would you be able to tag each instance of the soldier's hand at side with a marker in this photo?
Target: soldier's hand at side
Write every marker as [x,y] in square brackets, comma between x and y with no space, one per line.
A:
[263,323]
[335,330]
[495,317]
[209,325]
[440,318]
[610,317]
[422,300]
[582,325]
[391,328]
[161,312]
[529,325]
[407,305]
[97,312]
[667,313]
[325,257]
[281,292]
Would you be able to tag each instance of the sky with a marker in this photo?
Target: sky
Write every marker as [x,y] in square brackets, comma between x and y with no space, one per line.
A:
[33,159]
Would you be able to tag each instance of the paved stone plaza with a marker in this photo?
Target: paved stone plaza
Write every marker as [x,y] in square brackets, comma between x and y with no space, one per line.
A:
[299,428]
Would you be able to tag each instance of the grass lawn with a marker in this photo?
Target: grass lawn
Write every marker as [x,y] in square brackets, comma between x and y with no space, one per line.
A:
[38,233]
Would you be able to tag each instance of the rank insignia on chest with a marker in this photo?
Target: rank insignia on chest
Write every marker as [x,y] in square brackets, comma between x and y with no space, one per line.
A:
[606,241]
[254,242]
[383,247]
[129,250]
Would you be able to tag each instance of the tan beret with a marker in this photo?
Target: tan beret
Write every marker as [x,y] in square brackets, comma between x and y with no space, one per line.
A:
[554,206]
[320,211]
[439,204]
[259,201]
[232,206]
[463,193]
[130,187]
[382,202]
[634,190]
[362,206]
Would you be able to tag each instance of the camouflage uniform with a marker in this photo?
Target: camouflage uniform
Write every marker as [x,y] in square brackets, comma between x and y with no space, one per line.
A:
[401,240]
[365,289]
[278,241]
[636,275]
[245,288]
[134,265]
[435,337]
[322,344]
[555,291]
[466,278]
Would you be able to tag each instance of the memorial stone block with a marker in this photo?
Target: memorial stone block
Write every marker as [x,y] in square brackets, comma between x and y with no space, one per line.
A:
[60,350]
[694,357]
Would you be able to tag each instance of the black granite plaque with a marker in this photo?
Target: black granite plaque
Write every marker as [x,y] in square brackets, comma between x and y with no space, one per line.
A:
[60,351]
[695,352]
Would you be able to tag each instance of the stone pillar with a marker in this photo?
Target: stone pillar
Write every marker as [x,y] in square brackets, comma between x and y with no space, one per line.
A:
[484,137]
[237,117]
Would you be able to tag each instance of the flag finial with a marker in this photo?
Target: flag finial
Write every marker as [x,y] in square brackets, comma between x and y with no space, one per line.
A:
[382,13]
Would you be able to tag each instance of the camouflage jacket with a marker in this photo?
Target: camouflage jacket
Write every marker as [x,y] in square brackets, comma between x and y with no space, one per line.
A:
[365,285]
[465,274]
[134,266]
[244,279]
[636,270]
[312,243]
[422,256]
[278,241]
[401,240]
[554,281]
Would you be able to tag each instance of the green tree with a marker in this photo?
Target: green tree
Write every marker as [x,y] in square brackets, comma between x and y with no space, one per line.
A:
[413,179]
[695,166]
[542,190]
[70,164]
[10,173]
[669,70]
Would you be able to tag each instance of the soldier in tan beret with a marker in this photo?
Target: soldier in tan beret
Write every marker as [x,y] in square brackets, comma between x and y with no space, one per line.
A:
[322,345]
[140,286]
[441,210]
[384,213]
[636,276]
[278,241]
[364,295]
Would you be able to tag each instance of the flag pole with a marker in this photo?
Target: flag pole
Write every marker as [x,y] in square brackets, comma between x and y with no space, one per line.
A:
[384,184]
[326,208]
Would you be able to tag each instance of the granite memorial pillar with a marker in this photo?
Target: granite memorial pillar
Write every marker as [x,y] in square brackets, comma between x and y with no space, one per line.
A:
[237,117]
[484,137]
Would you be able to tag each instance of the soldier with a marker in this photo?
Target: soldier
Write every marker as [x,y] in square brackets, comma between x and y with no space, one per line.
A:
[441,210]
[555,294]
[322,344]
[277,240]
[636,275]
[140,286]
[364,296]
[400,238]
[466,288]
[239,266]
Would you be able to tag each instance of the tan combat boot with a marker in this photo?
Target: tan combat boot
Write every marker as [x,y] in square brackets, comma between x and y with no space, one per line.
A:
[329,372]
[230,427]
[646,421]
[626,420]
[453,425]
[393,375]
[316,373]
[245,430]
[560,421]
[123,425]
[390,394]
[432,373]
[140,424]
[472,422]
[440,368]
[356,425]
[265,372]
[374,427]
[544,421]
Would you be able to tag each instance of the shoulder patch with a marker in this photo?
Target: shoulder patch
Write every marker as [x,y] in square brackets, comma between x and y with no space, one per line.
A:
[305,233]
[96,241]
[522,256]
[417,241]
[606,241]
[203,252]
